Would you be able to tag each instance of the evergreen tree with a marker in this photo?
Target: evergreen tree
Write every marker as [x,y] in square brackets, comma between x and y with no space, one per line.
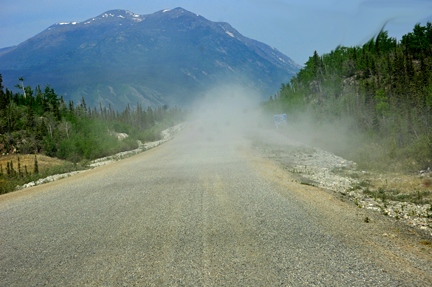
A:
[391,96]
[3,99]
[71,107]
[19,168]
[30,118]
[56,111]
[36,166]
[11,168]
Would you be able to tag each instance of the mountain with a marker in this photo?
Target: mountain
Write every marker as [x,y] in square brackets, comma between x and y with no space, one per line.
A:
[5,50]
[119,58]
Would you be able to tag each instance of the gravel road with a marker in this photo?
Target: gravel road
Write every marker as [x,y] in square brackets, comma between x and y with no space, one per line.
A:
[204,209]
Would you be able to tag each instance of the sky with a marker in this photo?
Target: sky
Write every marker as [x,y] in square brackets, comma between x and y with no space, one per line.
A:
[295,27]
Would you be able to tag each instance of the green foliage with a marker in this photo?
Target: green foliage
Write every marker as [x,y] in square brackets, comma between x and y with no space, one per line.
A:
[9,182]
[41,122]
[36,165]
[382,105]
[418,41]
[383,87]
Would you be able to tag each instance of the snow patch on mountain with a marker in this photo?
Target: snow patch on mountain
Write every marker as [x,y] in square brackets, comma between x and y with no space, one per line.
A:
[131,13]
[229,33]
[67,23]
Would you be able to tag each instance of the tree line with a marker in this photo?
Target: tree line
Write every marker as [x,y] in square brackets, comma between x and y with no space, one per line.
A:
[40,121]
[385,86]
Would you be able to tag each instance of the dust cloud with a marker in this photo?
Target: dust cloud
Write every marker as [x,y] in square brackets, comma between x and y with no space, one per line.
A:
[337,136]
[226,113]
[229,113]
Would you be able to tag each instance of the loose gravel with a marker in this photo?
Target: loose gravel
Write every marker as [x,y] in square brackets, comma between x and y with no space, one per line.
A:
[322,169]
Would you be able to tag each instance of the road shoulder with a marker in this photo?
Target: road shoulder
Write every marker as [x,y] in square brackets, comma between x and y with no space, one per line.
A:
[391,242]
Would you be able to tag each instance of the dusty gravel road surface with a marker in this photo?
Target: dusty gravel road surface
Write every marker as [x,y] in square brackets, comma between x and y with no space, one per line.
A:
[200,210]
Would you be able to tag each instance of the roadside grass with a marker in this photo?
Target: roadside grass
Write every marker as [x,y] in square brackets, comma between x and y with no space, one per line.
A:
[390,173]
[393,186]
[23,170]
[44,162]
[403,188]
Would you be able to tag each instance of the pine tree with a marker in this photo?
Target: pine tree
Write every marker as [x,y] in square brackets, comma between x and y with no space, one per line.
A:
[84,106]
[12,171]
[36,166]
[3,99]
[71,107]
[19,168]
[56,110]
[30,118]
[315,67]
[398,76]
[373,68]
[409,68]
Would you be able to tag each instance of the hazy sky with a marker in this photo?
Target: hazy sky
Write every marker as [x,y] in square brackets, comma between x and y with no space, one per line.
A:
[295,27]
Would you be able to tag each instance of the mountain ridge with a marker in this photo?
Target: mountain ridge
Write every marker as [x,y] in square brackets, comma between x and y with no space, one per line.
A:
[127,51]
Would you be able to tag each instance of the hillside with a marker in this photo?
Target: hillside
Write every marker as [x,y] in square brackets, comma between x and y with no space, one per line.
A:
[120,58]
[376,99]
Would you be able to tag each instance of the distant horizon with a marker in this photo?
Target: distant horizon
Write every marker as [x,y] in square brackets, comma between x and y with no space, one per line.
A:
[296,28]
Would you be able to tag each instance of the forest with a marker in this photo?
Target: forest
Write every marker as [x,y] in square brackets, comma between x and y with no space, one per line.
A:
[38,121]
[382,93]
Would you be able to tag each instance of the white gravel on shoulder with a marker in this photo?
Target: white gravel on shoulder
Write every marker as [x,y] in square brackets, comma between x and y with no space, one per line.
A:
[319,168]
[50,178]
